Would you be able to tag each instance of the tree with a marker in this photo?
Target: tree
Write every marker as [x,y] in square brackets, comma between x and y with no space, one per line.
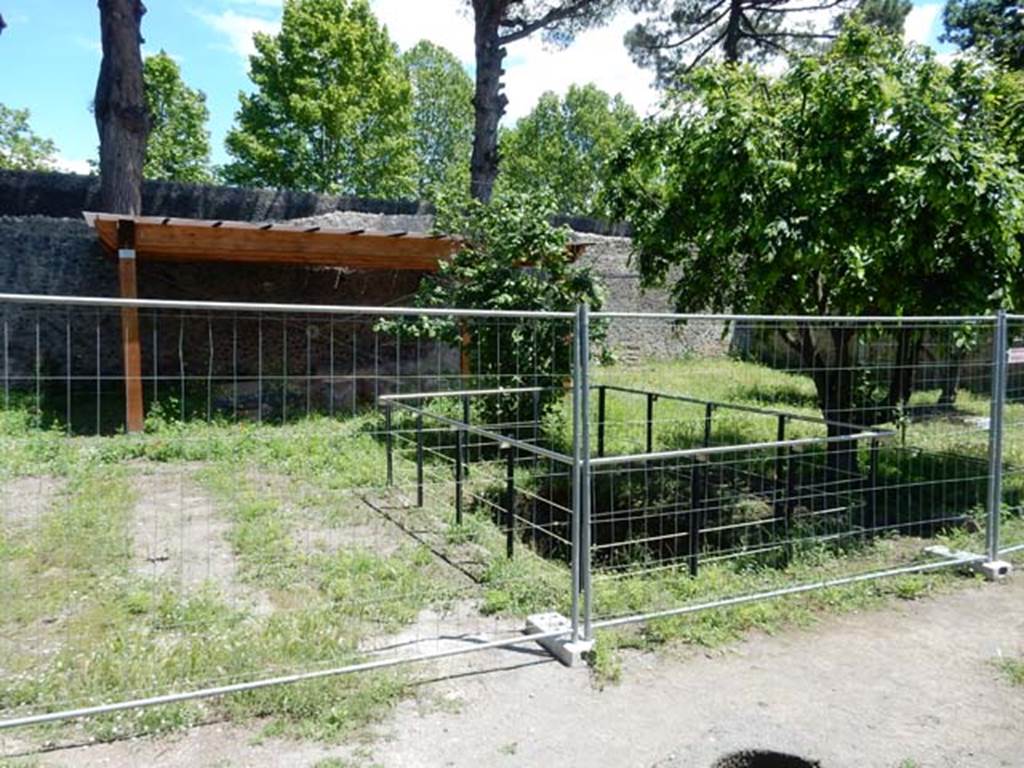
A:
[120,106]
[562,147]
[887,15]
[20,148]
[677,35]
[498,23]
[179,142]
[513,259]
[869,181]
[332,111]
[442,117]
[994,27]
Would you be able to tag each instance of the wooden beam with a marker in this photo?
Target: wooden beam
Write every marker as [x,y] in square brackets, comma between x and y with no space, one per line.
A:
[134,416]
[240,242]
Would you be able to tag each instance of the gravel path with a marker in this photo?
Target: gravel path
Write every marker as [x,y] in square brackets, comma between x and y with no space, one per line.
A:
[913,684]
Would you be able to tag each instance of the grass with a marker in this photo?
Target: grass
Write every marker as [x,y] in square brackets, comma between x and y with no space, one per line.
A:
[1013,669]
[82,625]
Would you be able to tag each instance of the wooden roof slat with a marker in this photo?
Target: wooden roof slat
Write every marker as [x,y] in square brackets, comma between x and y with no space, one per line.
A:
[201,240]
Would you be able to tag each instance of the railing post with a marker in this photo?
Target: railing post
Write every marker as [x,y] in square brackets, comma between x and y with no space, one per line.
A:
[465,419]
[697,492]
[419,459]
[602,395]
[459,443]
[871,502]
[651,397]
[577,513]
[510,502]
[792,456]
[389,442]
[709,413]
[585,495]
[995,437]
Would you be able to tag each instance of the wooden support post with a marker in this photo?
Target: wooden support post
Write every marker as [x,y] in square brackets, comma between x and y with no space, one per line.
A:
[132,353]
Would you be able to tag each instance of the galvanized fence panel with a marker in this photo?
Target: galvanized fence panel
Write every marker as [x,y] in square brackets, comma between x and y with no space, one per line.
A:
[759,454]
[1011,538]
[272,523]
[329,490]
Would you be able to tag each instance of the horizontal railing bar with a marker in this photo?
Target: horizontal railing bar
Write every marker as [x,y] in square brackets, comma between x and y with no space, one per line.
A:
[726,406]
[228,306]
[786,591]
[223,690]
[601,461]
[865,319]
[464,392]
[495,436]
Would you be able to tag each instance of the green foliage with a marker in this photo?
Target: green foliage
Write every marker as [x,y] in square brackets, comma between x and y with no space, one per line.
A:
[888,15]
[563,146]
[512,259]
[442,118]
[20,148]
[332,109]
[993,27]
[178,147]
[870,180]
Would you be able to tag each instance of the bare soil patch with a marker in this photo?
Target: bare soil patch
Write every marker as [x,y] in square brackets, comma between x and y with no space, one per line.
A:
[180,535]
[24,501]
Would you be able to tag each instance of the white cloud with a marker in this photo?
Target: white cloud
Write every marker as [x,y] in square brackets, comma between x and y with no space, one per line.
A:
[920,23]
[71,165]
[442,22]
[597,56]
[238,29]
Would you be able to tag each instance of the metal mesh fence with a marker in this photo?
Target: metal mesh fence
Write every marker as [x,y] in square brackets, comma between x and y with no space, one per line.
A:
[327,490]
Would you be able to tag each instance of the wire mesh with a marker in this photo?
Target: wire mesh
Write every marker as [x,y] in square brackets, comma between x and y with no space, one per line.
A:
[316,490]
[250,531]
[754,452]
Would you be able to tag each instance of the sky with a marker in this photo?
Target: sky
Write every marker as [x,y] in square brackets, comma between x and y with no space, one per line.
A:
[50,55]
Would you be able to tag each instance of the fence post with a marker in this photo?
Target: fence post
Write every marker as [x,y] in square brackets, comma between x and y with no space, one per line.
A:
[602,394]
[697,491]
[995,437]
[709,413]
[465,419]
[389,442]
[651,397]
[871,521]
[577,514]
[459,441]
[419,459]
[510,502]
[585,502]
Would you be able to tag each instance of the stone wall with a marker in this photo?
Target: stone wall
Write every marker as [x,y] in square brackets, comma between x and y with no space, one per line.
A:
[46,248]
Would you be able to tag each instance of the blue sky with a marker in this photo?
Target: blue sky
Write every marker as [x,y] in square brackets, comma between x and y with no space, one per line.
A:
[50,54]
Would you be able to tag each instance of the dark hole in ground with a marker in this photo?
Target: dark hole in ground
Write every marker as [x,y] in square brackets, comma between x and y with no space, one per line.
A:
[764,759]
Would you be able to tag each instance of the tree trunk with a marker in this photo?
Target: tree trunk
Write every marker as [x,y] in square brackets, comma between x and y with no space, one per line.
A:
[908,355]
[122,120]
[489,102]
[731,43]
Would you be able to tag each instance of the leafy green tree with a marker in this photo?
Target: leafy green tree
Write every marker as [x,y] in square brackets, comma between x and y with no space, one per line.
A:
[887,15]
[513,259]
[872,180]
[178,148]
[442,117]
[562,147]
[20,148]
[994,27]
[332,111]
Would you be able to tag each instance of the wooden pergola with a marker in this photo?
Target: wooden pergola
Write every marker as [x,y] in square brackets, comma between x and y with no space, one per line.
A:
[155,238]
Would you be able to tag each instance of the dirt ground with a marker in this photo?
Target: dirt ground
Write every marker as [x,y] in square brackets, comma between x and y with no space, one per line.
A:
[911,685]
